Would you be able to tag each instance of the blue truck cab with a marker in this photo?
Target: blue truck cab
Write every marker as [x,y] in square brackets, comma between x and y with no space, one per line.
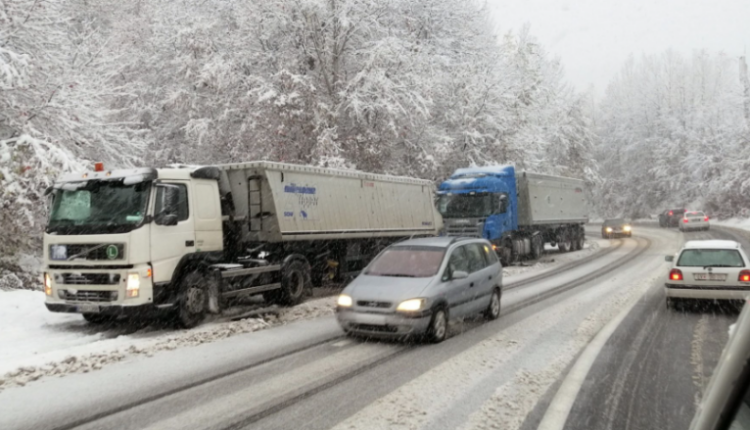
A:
[518,212]
[480,202]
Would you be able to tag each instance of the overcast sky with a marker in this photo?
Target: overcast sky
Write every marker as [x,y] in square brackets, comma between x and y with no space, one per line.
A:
[594,37]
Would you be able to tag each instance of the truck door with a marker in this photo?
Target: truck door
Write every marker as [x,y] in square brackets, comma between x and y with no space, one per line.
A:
[173,231]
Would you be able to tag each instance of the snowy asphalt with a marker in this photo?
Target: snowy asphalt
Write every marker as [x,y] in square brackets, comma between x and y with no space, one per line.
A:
[487,375]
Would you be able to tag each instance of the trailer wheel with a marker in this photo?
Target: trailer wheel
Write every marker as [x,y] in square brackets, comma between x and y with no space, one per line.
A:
[565,245]
[193,300]
[295,280]
[537,247]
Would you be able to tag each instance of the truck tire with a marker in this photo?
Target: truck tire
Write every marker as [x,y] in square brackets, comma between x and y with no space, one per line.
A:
[579,241]
[193,300]
[295,282]
[565,245]
[537,247]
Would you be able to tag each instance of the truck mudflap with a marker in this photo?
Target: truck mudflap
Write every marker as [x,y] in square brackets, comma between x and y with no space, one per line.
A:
[145,310]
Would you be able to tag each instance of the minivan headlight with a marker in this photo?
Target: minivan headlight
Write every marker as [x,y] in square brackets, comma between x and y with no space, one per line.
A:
[626,228]
[609,229]
[411,305]
[345,301]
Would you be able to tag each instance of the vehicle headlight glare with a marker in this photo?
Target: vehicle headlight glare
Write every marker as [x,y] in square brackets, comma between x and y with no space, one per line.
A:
[134,285]
[47,284]
[626,228]
[410,305]
[345,301]
[609,229]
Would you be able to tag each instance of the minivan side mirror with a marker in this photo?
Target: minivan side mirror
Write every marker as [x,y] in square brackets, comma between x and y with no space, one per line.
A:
[460,274]
[669,258]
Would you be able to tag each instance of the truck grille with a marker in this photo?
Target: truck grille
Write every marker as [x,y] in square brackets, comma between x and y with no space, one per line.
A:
[87,279]
[373,304]
[88,296]
[467,227]
[88,251]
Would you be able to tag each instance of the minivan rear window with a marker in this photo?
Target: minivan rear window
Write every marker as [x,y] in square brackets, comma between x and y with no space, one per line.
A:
[710,258]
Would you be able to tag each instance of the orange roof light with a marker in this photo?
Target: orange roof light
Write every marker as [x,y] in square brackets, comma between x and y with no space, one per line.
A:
[99,167]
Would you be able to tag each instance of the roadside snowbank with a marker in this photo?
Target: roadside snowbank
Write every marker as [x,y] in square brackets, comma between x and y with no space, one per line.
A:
[36,343]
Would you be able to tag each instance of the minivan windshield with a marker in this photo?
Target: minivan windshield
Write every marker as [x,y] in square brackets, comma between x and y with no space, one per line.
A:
[710,258]
[407,262]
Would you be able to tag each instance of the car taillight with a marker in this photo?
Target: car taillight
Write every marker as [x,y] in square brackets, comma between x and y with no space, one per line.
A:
[685,220]
[744,276]
[705,219]
[671,213]
[676,275]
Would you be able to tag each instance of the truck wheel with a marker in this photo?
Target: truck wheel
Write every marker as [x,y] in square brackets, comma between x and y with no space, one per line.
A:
[565,245]
[580,241]
[537,247]
[295,281]
[193,300]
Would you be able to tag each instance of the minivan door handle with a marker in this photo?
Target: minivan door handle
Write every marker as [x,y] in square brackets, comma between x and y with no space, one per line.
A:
[471,285]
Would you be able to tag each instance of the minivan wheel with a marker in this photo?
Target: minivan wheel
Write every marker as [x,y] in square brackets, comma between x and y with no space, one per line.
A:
[493,310]
[438,328]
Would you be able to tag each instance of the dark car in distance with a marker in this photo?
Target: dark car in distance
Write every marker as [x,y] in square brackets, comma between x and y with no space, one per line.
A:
[671,217]
[616,227]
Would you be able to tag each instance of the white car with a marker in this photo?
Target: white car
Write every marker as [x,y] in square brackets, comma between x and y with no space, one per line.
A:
[708,269]
[694,221]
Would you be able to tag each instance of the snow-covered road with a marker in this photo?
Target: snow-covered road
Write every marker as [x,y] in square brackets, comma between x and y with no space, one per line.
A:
[321,379]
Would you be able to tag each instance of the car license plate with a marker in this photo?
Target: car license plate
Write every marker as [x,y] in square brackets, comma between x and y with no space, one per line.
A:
[88,309]
[710,277]
[371,319]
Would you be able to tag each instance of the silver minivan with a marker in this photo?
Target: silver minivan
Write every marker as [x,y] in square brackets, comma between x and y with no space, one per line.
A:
[414,287]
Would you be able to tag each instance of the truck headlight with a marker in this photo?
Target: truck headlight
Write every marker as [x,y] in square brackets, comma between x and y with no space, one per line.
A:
[410,305]
[626,228]
[47,284]
[609,229]
[134,285]
[344,301]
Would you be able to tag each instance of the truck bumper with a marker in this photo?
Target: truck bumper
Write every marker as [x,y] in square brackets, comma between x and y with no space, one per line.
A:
[144,310]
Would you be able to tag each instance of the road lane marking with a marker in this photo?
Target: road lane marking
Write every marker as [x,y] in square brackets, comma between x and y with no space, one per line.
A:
[557,413]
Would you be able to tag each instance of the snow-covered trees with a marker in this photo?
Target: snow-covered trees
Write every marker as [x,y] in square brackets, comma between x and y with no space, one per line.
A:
[673,132]
[396,86]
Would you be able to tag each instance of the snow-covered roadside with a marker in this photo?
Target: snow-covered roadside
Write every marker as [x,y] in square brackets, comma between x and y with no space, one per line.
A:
[738,223]
[35,343]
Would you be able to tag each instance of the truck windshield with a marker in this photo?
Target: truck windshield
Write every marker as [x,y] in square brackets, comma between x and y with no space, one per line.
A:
[99,207]
[471,206]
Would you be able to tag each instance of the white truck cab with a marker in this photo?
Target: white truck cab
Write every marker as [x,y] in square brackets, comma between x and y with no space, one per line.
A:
[115,238]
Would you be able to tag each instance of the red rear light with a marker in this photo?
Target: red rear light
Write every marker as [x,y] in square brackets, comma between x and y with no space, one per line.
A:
[676,275]
[671,213]
[98,167]
[705,219]
[744,276]
[685,220]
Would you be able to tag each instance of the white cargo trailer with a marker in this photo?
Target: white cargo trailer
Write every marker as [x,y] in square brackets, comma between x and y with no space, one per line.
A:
[189,240]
